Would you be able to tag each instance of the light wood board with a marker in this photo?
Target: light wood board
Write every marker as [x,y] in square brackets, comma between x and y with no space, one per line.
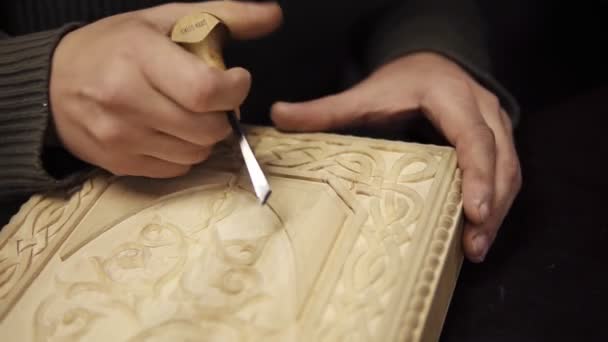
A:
[360,241]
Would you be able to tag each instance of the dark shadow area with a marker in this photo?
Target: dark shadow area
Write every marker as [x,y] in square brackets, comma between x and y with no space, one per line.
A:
[546,278]
[545,51]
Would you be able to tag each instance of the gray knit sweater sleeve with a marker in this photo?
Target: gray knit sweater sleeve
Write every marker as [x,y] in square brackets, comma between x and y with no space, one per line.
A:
[453,29]
[24,111]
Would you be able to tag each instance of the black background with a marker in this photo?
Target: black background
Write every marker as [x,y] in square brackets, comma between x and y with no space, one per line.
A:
[546,279]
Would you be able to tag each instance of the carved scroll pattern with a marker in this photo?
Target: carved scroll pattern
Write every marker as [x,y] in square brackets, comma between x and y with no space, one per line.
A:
[207,291]
[369,278]
[34,235]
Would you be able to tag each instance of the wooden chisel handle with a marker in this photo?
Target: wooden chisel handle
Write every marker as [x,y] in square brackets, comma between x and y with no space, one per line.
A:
[203,34]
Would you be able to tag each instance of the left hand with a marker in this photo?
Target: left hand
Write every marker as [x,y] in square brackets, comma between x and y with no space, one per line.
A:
[468,115]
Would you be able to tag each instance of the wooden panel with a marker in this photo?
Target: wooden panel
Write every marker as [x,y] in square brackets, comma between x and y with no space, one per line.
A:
[360,241]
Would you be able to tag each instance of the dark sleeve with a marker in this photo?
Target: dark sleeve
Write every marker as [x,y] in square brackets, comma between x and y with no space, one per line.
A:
[24,114]
[453,29]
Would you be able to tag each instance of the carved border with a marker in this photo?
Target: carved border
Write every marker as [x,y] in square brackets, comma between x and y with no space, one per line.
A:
[416,320]
[341,140]
[63,216]
[429,291]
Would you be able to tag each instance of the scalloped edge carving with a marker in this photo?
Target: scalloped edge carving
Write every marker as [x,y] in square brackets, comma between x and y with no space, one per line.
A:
[436,280]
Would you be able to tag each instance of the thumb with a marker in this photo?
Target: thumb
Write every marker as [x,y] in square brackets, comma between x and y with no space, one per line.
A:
[327,113]
[245,20]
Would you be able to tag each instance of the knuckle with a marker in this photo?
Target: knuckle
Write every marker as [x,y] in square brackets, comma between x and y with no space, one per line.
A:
[195,155]
[492,102]
[456,86]
[108,91]
[219,136]
[116,75]
[486,134]
[202,140]
[480,133]
[508,123]
[134,23]
[222,131]
[109,132]
[456,89]
[154,17]
[242,83]
[509,126]
[513,174]
[433,97]
[244,78]
[201,155]
[488,100]
[100,93]
[126,53]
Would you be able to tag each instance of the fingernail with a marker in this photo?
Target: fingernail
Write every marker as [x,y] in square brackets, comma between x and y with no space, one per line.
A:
[484,211]
[480,246]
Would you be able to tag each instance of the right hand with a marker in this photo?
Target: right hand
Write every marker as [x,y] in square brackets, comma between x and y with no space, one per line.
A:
[126,98]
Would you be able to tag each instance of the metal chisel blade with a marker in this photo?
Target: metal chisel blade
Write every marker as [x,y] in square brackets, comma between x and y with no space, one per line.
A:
[258,179]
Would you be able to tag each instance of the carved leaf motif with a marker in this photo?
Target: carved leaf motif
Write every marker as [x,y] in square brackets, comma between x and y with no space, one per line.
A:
[133,267]
[61,318]
[244,252]
[214,288]
[400,172]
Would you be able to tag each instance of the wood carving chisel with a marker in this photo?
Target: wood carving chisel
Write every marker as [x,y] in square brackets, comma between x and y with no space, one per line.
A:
[203,34]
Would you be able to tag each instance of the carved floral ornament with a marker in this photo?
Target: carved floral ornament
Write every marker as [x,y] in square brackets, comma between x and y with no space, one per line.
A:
[357,243]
